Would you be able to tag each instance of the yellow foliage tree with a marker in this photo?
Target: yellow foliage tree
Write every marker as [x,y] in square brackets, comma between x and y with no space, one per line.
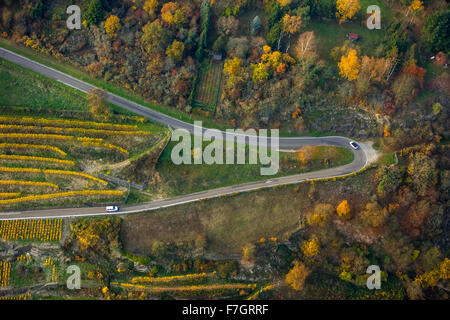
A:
[291,24]
[349,65]
[150,6]
[173,14]
[233,68]
[112,26]
[346,9]
[260,72]
[310,248]
[175,50]
[416,6]
[343,209]
[297,276]
[284,3]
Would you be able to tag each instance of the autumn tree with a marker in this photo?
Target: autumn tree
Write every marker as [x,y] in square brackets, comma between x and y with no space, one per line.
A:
[150,6]
[346,9]
[349,65]
[97,103]
[260,72]
[175,50]
[432,278]
[172,13]
[154,39]
[284,3]
[290,25]
[297,275]
[305,47]
[416,6]
[373,215]
[272,62]
[375,69]
[112,26]
[234,70]
[343,210]
[310,248]
[319,216]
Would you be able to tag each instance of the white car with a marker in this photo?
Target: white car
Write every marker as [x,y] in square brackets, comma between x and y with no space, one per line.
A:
[354,145]
[112,208]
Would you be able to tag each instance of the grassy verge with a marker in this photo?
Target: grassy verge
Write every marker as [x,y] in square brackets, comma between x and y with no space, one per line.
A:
[185,179]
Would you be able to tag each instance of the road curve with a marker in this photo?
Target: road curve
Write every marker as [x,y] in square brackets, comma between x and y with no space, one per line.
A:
[285,144]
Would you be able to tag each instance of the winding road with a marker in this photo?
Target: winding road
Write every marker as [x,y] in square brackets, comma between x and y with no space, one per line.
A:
[285,144]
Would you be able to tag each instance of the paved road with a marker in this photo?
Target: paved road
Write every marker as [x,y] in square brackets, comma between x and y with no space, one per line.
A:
[285,144]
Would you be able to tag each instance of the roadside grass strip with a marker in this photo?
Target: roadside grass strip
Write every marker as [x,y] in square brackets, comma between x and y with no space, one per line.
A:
[75,123]
[39,159]
[172,278]
[226,286]
[37,136]
[31,229]
[62,195]
[29,183]
[31,146]
[52,171]
[70,130]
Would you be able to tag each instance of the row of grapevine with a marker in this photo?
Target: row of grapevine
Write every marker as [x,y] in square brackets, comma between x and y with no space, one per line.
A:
[5,274]
[31,229]
[62,195]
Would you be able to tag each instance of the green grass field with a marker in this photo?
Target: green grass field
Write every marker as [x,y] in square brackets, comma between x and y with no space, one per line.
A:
[332,34]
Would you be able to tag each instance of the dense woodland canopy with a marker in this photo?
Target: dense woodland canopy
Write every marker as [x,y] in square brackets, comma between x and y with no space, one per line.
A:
[280,70]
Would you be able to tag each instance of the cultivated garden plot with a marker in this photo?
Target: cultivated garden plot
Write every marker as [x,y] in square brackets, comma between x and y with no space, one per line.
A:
[207,91]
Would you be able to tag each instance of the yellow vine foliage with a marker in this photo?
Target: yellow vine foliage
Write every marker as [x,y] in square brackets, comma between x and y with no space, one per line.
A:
[76,123]
[29,183]
[26,296]
[171,278]
[68,130]
[39,159]
[5,274]
[9,194]
[31,146]
[106,145]
[38,136]
[31,229]
[52,171]
[62,195]
[226,286]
